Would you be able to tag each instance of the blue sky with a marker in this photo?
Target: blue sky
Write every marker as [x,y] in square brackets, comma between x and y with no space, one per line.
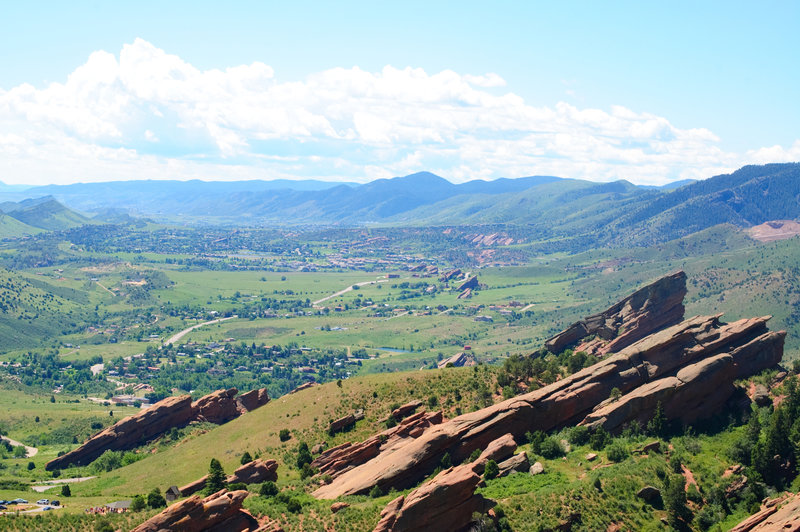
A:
[650,92]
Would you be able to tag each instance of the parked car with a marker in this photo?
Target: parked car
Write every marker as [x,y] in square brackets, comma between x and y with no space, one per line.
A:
[43,502]
[19,501]
[55,503]
[47,508]
[3,507]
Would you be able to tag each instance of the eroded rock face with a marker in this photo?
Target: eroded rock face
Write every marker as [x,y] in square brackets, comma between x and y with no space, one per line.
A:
[132,431]
[647,310]
[346,456]
[217,407]
[219,511]
[445,502]
[774,515]
[747,347]
[250,473]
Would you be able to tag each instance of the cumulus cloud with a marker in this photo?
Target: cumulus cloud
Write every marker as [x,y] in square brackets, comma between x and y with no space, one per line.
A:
[150,114]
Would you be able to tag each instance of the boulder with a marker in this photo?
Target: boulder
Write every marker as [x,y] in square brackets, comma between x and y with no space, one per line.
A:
[734,350]
[458,360]
[304,386]
[403,410]
[318,448]
[536,469]
[649,309]
[337,506]
[219,511]
[649,493]
[591,457]
[518,462]
[341,424]
[498,450]
[761,395]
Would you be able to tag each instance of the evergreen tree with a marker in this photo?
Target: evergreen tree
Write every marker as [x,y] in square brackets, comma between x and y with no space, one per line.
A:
[216,477]
[246,458]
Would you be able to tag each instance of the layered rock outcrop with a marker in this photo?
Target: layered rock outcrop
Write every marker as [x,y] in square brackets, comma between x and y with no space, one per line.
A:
[649,309]
[346,456]
[250,473]
[746,345]
[774,515]
[221,511]
[218,407]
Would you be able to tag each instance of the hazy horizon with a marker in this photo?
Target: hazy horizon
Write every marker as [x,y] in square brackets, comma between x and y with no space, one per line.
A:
[649,94]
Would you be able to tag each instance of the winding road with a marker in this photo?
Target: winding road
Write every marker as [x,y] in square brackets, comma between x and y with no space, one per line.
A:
[349,288]
[177,336]
[30,451]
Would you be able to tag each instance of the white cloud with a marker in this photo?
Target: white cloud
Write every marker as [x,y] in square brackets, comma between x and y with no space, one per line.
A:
[149,114]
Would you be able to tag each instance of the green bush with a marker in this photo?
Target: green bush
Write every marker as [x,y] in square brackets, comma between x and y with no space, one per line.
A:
[268,489]
[284,435]
[617,451]
[579,435]
[491,470]
[375,492]
[551,448]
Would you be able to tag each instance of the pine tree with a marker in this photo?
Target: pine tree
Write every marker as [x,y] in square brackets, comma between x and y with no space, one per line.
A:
[216,477]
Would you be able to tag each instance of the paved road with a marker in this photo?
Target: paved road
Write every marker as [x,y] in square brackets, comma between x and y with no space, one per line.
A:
[31,451]
[176,337]
[342,292]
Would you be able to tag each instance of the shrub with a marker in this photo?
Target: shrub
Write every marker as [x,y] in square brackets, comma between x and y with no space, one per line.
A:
[617,452]
[375,492]
[599,439]
[66,491]
[551,448]
[138,504]
[155,499]
[268,489]
[246,458]
[578,435]
[491,470]
[284,435]
[236,486]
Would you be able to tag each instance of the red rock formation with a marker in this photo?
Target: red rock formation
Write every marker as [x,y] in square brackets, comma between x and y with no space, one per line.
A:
[250,473]
[342,423]
[346,456]
[249,401]
[446,502]
[220,511]
[657,305]
[132,431]
[304,386]
[402,411]
[775,515]
[569,400]
[451,274]
[471,283]
[217,407]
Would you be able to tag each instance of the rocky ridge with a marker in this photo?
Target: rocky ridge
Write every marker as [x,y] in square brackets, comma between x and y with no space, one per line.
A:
[221,511]
[690,367]
[647,310]
[217,407]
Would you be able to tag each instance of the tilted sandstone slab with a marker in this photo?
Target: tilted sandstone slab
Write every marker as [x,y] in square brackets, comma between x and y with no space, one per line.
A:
[250,473]
[784,516]
[446,502]
[346,456]
[219,511]
[657,305]
[132,431]
[696,391]
[564,402]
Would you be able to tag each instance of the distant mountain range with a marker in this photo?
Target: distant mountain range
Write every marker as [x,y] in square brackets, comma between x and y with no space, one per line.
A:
[616,213]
